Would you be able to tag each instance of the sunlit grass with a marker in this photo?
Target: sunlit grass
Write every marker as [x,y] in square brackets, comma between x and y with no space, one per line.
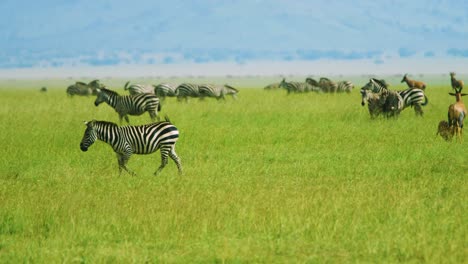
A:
[267,178]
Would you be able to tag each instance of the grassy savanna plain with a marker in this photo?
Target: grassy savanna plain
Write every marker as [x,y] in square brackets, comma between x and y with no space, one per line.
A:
[270,178]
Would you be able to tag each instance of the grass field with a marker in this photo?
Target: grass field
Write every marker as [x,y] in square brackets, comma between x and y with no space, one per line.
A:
[268,178]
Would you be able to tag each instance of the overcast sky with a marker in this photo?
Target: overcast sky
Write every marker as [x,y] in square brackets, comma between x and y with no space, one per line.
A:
[64,33]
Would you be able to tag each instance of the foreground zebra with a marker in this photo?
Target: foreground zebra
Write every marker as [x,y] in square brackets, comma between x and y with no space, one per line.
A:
[126,105]
[217,91]
[164,90]
[139,88]
[298,87]
[411,97]
[186,90]
[128,140]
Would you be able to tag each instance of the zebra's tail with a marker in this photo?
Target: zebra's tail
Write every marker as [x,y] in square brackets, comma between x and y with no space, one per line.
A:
[425,101]
[126,84]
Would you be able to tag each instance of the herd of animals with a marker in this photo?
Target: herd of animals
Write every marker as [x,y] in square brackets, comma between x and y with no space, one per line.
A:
[163,135]
[383,101]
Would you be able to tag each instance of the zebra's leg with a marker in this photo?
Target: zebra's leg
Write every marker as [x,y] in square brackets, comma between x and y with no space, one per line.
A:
[126,119]
[154,115]
[164,153]
[176,159]
[123,159]
[418,110]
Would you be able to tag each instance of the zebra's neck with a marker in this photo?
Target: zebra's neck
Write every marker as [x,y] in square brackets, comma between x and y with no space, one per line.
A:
[106,131]
[112,99]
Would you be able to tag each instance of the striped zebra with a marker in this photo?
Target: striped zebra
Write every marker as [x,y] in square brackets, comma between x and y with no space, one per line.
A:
[389,103]
[411,97]
[186,90]
[79,88]
[95,85]
[298,87]
[164,90]
[126,105]
[128,140]
[217,91]
[344,86]
[327,85]
[139,88]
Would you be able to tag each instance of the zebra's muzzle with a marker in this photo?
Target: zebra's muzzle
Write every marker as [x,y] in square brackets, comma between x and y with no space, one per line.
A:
[83,148]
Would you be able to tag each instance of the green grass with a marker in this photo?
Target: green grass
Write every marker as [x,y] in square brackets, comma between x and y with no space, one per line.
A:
[268,178]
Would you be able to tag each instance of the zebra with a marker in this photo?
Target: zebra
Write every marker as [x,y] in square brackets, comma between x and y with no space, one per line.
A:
[95,85]
[327,85]
[79,88]
[389,103]
[217,91]
[344,86]
[298,87]
[128,140]
[164,90]
[411,97]
[139,88]
[186,90]
[126,105]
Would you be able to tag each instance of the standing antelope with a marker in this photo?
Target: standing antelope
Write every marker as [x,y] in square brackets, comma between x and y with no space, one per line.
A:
[457,113]
[413,83]
[455,83]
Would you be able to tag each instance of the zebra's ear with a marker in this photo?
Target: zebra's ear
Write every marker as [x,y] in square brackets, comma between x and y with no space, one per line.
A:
[98,90]
[85,122]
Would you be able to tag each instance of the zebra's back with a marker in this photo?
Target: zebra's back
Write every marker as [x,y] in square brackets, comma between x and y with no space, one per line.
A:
[187,90]
[146,139]
[140,88]
[165,89]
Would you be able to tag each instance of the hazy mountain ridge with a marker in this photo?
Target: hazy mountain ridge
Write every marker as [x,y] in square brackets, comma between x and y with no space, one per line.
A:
[84,32]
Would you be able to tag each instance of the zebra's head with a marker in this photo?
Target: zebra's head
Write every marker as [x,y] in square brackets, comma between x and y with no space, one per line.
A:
[375,85]
[102,96]
[89,136]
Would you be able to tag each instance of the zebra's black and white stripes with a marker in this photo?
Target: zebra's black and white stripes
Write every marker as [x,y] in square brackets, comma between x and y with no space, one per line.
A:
[298,87]
[164,90]
[128,140]
[411,97]
[139,88]
[186,90]
[217,91]
[126,105]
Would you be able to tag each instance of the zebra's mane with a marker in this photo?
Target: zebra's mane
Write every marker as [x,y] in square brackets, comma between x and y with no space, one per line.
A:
[81,83]
[107,91]
[105,123]
[380,82]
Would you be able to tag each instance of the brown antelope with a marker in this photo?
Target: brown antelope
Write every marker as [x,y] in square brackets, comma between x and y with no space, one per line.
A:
[457,113]
[455,83]
[413,83]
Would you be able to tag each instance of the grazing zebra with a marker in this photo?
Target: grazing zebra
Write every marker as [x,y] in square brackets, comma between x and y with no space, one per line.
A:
[128,140]
[298,87]
[186,90]
[411,97]
[126,105]
[43,89]
[164,90]
[217,91]
[79,88]
[456,84]
[344,86]
[139,88]
[327,85]
[312,82]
